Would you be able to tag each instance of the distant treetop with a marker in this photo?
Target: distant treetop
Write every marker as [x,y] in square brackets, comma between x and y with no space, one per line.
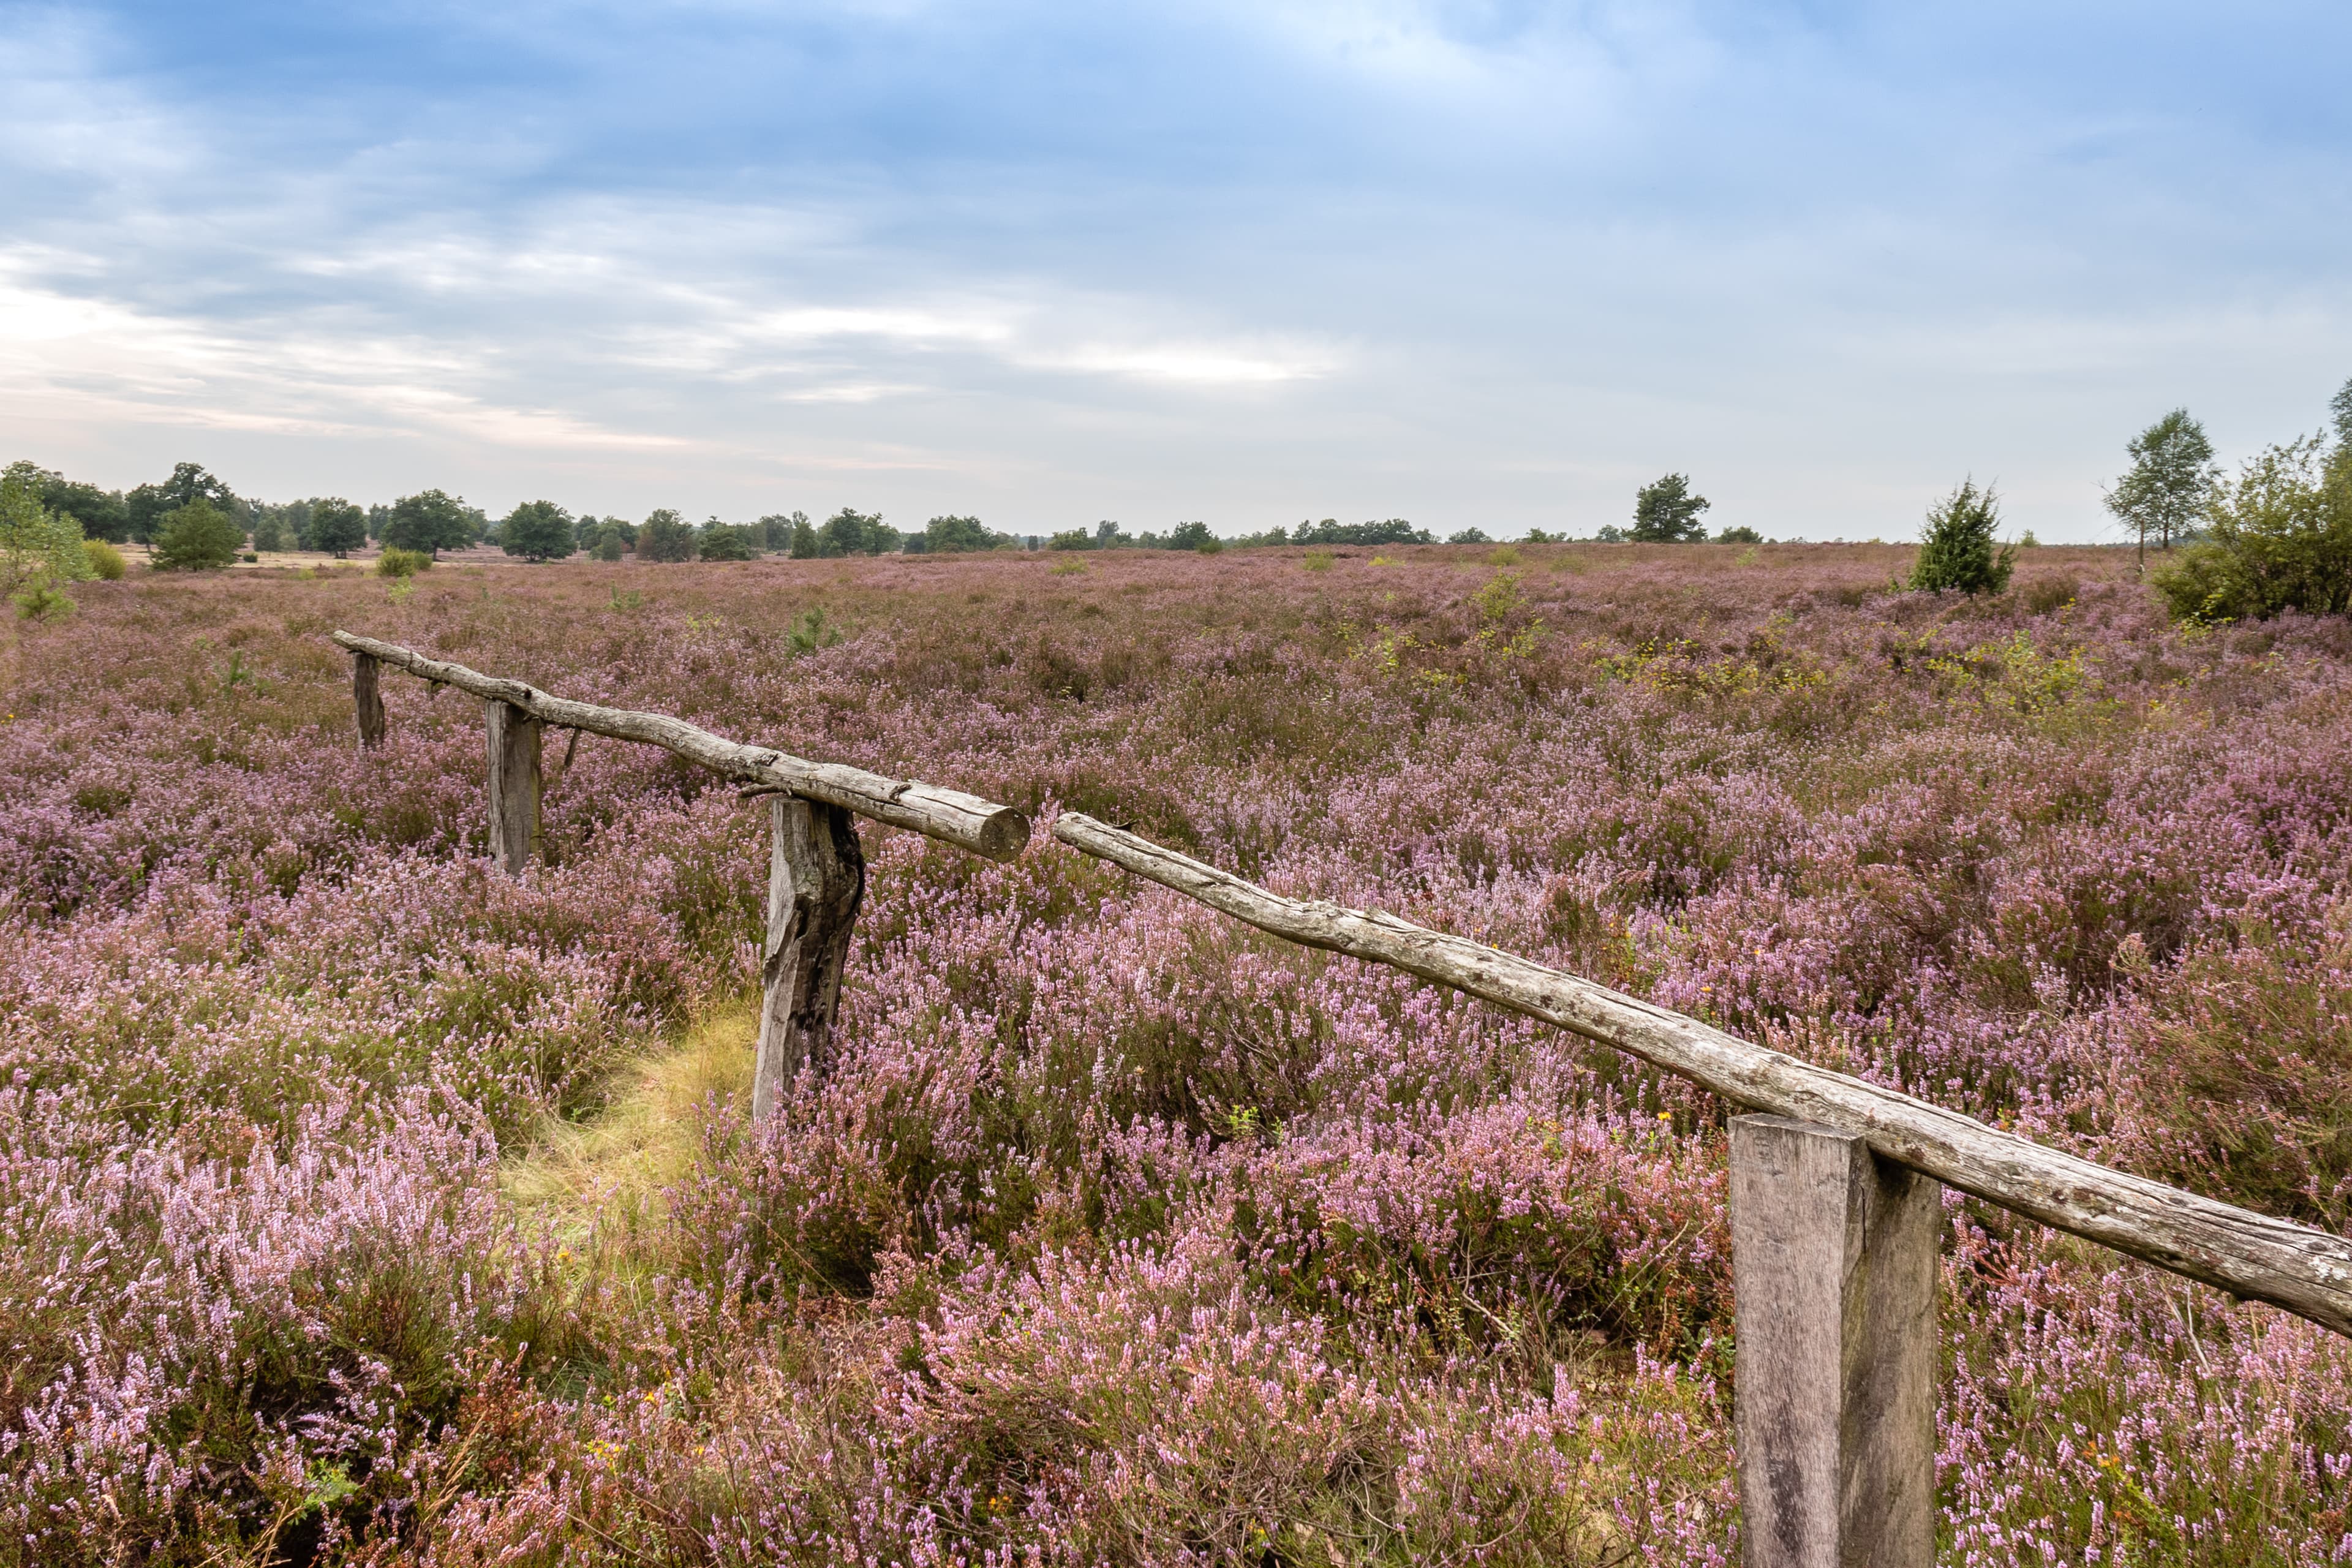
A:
[1665,512]
[538,531]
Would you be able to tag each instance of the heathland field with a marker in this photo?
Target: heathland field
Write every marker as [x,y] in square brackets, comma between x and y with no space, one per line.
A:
[360,1203]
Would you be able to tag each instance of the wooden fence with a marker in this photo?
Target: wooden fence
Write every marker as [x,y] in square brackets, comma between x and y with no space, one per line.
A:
[1836,1183]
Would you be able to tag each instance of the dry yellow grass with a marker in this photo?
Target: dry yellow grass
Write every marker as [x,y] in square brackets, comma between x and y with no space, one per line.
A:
[598,1184]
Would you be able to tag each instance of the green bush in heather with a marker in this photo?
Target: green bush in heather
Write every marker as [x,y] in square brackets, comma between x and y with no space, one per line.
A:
[2278,539]
[105,560]
[197,536]
[666,536]
[1956,549]
[537,531]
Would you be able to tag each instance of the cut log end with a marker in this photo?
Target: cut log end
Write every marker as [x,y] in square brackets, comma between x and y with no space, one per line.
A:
[1002,836]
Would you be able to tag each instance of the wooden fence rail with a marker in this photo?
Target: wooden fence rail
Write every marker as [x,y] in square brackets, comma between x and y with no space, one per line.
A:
[1835,1206]
[2307,1271]
[983,826]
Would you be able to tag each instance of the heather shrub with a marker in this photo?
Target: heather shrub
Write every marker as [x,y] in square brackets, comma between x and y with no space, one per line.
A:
[2106,1413]
[303,1318]
[1106,1229]
[397,562]
[1025,1417]
[2250,1107]
[1504,1225]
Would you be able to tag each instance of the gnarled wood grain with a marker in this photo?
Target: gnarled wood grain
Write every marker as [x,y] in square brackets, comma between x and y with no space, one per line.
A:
[512,743]
[367,700]
[2308,1272]
[816,878]
[983,826]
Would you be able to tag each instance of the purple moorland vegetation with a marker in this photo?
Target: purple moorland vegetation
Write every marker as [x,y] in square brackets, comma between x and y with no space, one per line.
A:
[1112,1232]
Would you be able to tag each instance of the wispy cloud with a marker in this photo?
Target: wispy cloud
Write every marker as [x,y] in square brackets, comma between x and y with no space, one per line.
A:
[1475,261]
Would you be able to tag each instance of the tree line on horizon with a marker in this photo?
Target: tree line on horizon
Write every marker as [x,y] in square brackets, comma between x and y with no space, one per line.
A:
[2277,537]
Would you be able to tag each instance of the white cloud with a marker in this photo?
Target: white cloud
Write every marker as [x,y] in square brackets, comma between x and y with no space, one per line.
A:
[1482,260]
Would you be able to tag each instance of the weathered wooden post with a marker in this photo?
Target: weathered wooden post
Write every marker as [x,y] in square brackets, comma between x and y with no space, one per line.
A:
[514,738]
[368,699]
[816,876]
[1834,1261]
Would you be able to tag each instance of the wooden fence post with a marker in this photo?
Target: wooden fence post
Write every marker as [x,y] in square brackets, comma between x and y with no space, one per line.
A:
[1833,1259]
[816,875]
[513,737]
[367,699]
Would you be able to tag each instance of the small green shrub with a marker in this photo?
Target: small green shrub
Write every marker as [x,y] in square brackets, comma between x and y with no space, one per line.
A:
[718,542]
[811,632]
[1956,549]
[401,563]
[1738,533]
[105,560]
[2280,539]
[43,601]
[1318,561]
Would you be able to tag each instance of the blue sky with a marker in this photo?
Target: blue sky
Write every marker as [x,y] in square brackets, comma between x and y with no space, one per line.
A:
[1467,264]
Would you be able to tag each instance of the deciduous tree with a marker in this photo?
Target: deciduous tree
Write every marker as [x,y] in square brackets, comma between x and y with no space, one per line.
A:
[726,542]
[664,536]
[101,513]
[959,535]
[431,522]
[40,549]
[852,532]
[146,507]
[2280,539]
[779,527]
[537,531]
[2169,480]
[1331,531]
[337,526]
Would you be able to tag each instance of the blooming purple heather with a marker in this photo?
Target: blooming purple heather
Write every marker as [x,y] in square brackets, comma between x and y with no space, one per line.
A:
[361,1204]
